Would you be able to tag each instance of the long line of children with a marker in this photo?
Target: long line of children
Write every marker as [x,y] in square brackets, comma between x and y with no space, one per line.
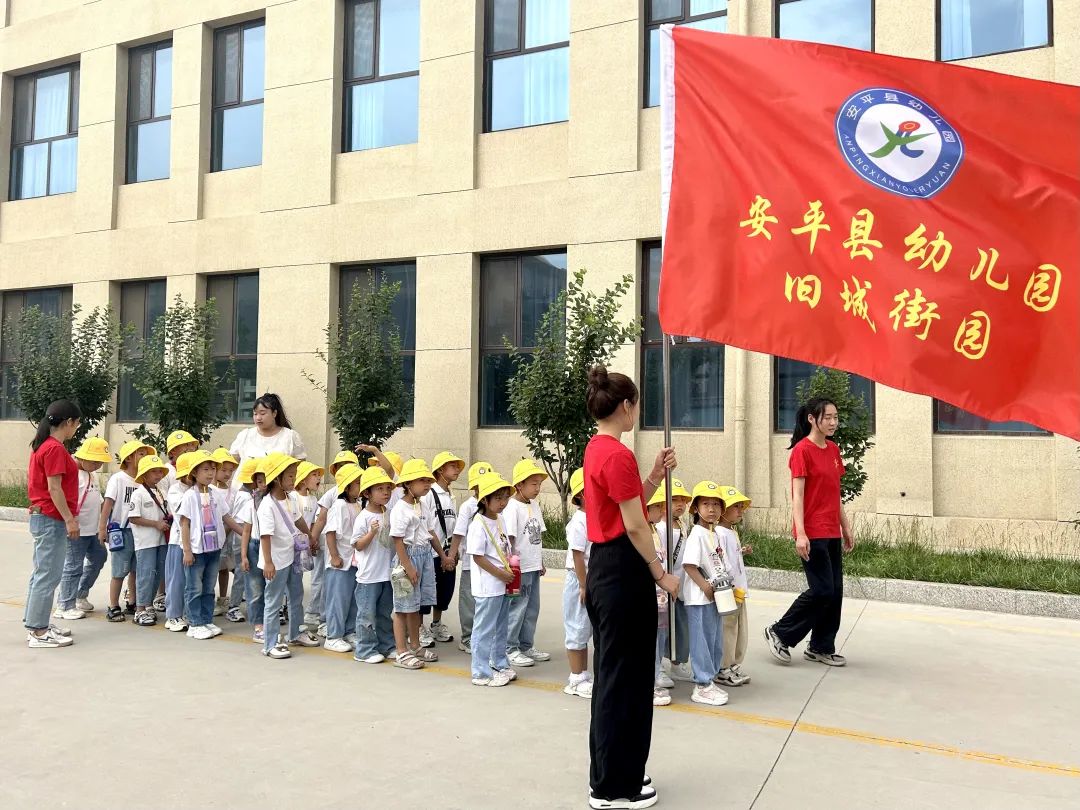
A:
[383,545]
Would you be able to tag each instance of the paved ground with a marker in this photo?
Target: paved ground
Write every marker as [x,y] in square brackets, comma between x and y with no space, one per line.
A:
[938,709]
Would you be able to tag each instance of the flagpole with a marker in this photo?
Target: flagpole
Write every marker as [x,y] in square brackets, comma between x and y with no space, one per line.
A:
[669,528]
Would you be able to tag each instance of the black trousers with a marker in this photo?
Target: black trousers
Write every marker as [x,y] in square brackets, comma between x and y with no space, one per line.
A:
[817,609]
[445,581]
[620,597]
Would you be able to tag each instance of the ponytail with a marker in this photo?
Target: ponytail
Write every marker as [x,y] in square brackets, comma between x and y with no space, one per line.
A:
[56,414]
[607,391]
[815,408]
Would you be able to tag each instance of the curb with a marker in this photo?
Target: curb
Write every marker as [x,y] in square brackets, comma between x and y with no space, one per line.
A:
[912,592]
[15,514]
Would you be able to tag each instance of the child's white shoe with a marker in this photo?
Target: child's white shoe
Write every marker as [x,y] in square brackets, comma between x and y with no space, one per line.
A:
[279,650]
[498,678]
[710,695]
[578,686]
[538,655]
[377,658]
[441,633]
[214,629]
[176,625]
[84,605]
[219,606]
[200,632]
[426,639]
[234,615]
[338,645]
[510,673]
[69,615]
[664,682]
[681,672]
[520,659]
[306,640]
[660,696]
[730,677]
[740,673]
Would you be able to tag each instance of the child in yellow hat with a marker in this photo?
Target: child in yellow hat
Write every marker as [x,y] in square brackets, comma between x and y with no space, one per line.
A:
[339,579]
[372,555]
[308,478]
[227,604]
[318,537]
[679,668]
[174,557]
[525,524]
[176,444]
[439,505]
[735,624]
[411,535]
[150,520]
[466,512]
[114,513]
[656,512]
[85,555]
[578,628]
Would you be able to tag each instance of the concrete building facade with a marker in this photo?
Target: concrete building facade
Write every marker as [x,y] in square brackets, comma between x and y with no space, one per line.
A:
[267,153]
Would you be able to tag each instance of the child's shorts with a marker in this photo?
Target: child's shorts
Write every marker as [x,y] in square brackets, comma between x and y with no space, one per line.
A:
[575,618]
[424,591]
[122,562]
[229,553]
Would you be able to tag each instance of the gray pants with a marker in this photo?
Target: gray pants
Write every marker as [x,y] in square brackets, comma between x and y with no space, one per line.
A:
[315,606]
[466,605]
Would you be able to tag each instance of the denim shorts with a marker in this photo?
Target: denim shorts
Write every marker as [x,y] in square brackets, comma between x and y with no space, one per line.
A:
[575,618]
[121,562]
[424,592]
[229,553]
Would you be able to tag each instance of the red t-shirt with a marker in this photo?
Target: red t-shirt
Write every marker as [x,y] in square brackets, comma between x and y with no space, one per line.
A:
[611,477]
[822,468]
[52,458]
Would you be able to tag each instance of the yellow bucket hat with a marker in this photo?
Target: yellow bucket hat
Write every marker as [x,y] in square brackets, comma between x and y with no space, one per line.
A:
[185,463]
[94,448]
[342,470]
[677,491]
[223,456]
[177,438]
[276,464]
[394,458]
[490,484]
[526,468]
[732,496]
[444,458]
[247,471]
[198,457]
[344,457]
[148,463]
[477,471]
[306,468]
[577,483]
[413,470]
[134,446]
[347,474]
[707,489]
[373,476]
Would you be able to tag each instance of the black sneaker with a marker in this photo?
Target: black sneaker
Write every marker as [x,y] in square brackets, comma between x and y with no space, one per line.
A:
[778,649]
[114,614]
[647,798]
[829,659]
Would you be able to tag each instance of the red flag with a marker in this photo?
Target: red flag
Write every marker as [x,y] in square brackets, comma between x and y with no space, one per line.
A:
[914,222]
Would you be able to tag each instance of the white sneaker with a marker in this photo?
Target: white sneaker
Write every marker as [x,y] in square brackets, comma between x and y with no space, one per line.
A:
[377,658]
[321,631]
[498,678]
[681,672]
[581,687]
[47,639]
[729,677]
[440,632]
[520,659]
[426,639]
[465,647]
[538,655]
[510,673]
[738,671]
[647,798]
[219,606]
[69,615]
[234,615]
[201,632]
[175,625]
[660,696]
[279,650]
[84,605]
[664,682]
[339,645]
[711,695]
[306,640]
[214,629]
[60,631]
[258,636]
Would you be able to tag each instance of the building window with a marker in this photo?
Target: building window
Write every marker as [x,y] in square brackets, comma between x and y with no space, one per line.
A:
[236,343]
[141,304]
[527,66]
[950,419]
[239,53]
[149,112]
[705,15]
[969,28]
[790,374]
[51,301]
[697,366]
[832,22]
[515,292]
[45,133]
[403,309]
[382,73]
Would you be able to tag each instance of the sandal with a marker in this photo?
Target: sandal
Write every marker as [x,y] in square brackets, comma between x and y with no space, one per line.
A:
[407,660]
[426,655]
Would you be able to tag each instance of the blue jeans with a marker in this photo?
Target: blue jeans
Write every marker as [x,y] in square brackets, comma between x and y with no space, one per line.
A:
[254,586]
[122,561]
[174,582]
[489,635]
[285,580]
[50,551]
[199,580]
[238,592]
[149,570]
[79,576]
[339,601]
[317,606]
[662,642]
[524,613]
[374,604]
[466,606]
[706,642]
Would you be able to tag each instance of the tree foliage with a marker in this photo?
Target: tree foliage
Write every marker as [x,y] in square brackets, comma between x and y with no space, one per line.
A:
[66,357]
[853,434]
[174,371]
[370,400]
[547,390]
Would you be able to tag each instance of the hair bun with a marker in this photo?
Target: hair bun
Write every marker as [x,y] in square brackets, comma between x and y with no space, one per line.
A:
[598,376]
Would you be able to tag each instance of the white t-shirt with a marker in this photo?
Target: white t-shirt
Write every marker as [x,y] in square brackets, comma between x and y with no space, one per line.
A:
[446,503]
[166,483]
[697,552]
[479,542]
[577,539]
[409,522]
[120,488]
[733,559]
[281,531]
[525,523]
[340,521]
[175,496]
[328,498]
[373,563]
[679,547]
[309,507]
[191,508]
[466,512]
[249,443]
[243,508]
[144,506]
[90,498]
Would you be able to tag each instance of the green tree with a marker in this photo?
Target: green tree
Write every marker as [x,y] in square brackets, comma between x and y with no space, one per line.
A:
[853,434]
[174,372]
[547,391]
[66,357]
[370,401]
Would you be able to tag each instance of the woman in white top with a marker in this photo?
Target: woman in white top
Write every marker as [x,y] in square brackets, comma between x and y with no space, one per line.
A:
[272,433]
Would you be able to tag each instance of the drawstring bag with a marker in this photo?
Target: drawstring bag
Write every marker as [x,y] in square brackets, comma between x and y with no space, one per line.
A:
[400,582]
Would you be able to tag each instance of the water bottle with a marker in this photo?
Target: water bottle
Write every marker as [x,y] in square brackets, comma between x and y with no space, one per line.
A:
[115,535]
[514,588]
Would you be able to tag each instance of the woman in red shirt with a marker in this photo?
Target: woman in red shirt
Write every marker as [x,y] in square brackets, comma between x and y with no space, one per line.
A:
[52,484]
[820,526]
[620,596]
